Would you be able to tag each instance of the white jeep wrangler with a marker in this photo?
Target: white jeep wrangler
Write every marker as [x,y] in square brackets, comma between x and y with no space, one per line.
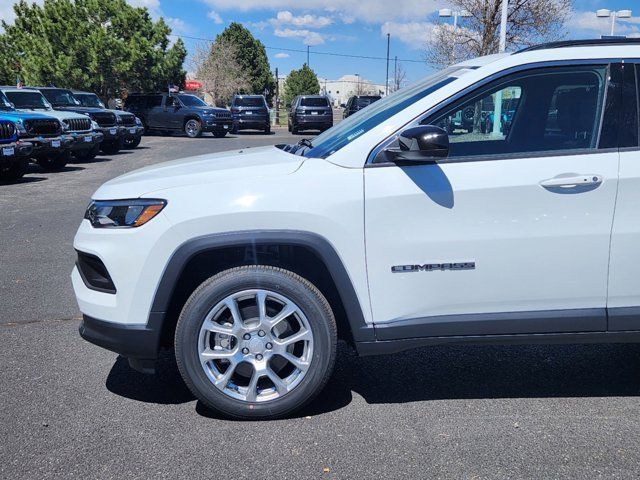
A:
[495,201]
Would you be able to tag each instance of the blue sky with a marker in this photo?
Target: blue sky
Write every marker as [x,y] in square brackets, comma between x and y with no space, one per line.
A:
[356,27]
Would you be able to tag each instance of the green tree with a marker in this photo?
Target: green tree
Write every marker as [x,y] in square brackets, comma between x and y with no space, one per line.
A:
[106,46]
[252,58]
[300,82]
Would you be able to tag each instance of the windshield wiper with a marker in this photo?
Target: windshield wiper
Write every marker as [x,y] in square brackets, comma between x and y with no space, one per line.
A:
[305,142]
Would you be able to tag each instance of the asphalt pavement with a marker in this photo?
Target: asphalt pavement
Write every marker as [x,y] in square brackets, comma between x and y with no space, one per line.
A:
[69,409]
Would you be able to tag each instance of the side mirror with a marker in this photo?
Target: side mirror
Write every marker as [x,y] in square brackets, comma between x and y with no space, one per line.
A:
[421,144]
[343,105]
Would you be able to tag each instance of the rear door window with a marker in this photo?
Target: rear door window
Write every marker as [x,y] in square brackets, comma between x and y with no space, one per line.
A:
[314,102]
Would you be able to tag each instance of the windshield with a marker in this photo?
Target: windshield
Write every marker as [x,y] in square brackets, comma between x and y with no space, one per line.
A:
[89,100]
[249,102]
[28,99]
[191,101]
[5,104]
[314,102]
[364,120]
[60,98]
[364,101]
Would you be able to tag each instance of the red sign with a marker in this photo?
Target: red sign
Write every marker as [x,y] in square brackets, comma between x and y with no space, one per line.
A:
[192,85]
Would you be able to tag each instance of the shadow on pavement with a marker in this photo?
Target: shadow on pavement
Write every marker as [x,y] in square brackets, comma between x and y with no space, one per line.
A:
[436,373]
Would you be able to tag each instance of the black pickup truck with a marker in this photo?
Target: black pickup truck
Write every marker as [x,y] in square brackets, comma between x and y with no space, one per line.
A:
[179,112]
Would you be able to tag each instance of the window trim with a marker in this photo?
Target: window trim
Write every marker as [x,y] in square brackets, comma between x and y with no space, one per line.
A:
[445,104]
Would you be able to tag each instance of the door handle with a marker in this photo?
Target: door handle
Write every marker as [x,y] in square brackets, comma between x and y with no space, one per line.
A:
[571,180]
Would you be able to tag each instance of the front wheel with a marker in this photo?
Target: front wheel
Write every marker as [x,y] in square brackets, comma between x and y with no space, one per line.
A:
[15,171]
[111,147]
[54,162]
[132,142]
[86,155]
[256,342]
[193,128]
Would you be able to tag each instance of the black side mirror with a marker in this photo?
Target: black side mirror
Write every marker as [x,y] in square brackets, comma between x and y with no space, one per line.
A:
[421,144]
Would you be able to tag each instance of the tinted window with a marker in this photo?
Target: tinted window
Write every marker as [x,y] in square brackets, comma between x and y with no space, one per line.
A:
[249,102]
[154,101]
[314,102]
[546,110]
[27,99]
[362,102]
[192,101]
[89,100]
[59,97]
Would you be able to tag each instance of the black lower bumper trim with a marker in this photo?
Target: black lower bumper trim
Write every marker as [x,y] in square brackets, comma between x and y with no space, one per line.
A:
[132,341]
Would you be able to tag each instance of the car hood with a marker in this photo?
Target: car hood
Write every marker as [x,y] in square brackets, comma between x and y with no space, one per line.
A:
[233,166]
[79,109]
[208,109]
[59,114]
[16,114]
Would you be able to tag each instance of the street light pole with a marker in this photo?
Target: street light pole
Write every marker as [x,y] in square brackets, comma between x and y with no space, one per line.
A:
[605,13]
[503,25]
[386,84]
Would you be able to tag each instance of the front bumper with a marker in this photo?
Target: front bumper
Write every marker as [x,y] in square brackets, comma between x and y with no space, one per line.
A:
[111,134]
[86,141]
[131,341]
[46,145]
[15,150]
[132,132]
[250,122]
[216,124]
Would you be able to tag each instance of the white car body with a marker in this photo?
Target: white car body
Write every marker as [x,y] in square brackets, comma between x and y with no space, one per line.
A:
[533,250]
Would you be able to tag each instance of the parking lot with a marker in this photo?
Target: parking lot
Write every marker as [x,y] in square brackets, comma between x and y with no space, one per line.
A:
[73,410]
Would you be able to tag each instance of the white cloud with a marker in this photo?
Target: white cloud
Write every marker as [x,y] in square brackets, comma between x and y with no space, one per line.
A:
[215,16]
[309,21]
[414,34]
[281,55]
[152,5]
[374,11]
[587,23]
[308,37]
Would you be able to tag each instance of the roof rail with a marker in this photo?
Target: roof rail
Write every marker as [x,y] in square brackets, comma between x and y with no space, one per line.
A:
[591,42]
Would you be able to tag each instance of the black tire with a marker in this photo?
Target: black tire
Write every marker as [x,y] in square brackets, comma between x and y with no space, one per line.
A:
[54,162]
[289,127]
[15,171]
[193,128]
[267,130]
[220,133]
[132,142]
[111,147]
[294,130]
[305,295]
[86,155]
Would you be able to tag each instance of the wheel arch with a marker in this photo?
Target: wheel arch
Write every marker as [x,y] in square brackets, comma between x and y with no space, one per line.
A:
[304,253]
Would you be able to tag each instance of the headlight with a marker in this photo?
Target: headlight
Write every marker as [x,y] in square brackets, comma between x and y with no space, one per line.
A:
[138,122]
[123,213]
[94,125]
[20,128]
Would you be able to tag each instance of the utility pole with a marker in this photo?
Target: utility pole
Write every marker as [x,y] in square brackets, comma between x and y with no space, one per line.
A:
[277,104]
[308,56]
[386,83]
[395,75]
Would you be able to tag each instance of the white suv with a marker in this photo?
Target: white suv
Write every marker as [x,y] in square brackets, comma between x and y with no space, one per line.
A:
[401,226]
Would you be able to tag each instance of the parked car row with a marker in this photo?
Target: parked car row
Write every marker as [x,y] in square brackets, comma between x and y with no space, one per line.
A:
[49,125]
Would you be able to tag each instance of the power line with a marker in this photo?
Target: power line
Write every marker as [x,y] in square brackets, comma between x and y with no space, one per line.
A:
[314,52]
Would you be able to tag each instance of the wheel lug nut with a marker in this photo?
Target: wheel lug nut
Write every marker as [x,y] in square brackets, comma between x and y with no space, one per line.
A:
[258,357]
[261,333]
[269,346]
[246,336]
[245,351]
